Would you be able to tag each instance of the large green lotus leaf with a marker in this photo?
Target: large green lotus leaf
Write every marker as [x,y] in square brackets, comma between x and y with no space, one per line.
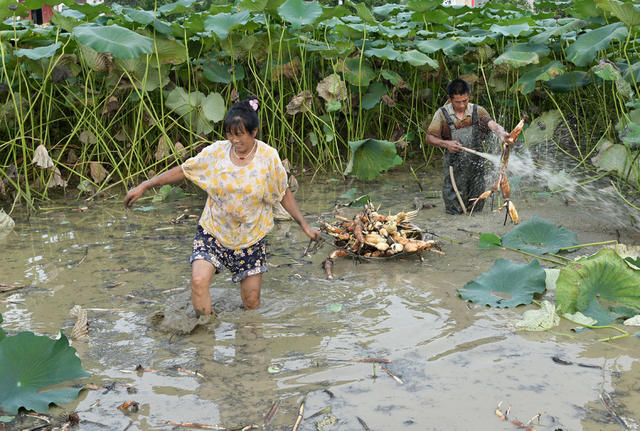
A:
[627,12]
[373,96]
[358,73]
[38,53]
[617,158]
[180,6]
[540,49]
[393,77]
[253,5]
[506,284]
[518,58]
[213,107]
[362,11]
[569,81]
[191,107]
[606,71]
[527,82]
[584,9]
[148,75]
[416,58]
[422,5]
[449,46]
[143,17]
[539,236]
[585,49]
[299,12]
[542,128]
[387,9]
[602,283]
[214,71]
[386,53]
[510,30]
[369,157]
[30,363]
[391,32]
[118,41]
[222,23]
[544,37]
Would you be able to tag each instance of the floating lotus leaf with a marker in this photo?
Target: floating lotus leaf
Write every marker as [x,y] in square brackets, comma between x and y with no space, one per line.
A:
[118,41]
[518,58]
[542,128]
[31,363]
[541,319]
[357,72]
[506,284]
[221,24]
[332,88]
[601,286]
[527,82]
[38,53]
[510,30]
[555,31]
[569,81]
[585,49]
[369,157]
[299,12]
[373,95]
[489,240]
[539,236]
[628,13]
[169,193]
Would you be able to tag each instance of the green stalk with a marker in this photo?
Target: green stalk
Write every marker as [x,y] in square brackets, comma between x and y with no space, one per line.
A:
[613,241]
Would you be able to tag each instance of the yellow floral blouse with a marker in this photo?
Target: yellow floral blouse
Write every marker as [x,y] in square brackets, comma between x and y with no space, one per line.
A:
[239,209]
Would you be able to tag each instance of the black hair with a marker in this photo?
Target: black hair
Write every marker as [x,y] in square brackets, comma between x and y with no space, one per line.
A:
[458,87]
[242,117]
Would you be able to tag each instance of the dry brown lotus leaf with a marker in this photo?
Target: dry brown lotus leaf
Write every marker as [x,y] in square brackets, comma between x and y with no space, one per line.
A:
[181,151]
[288,70]
[161,149]
[286,165]
[111,106]
[72,157]
[120,136]
[332,88]
[57,180]
[148,119]
[471,78]
[81,328]
[235,97]
[41,157]
[387,100]
[98,172]
[300,103]
[293,184]
[86,137]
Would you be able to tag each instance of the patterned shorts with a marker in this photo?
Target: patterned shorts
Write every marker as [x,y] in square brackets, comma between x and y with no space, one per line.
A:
[242,263]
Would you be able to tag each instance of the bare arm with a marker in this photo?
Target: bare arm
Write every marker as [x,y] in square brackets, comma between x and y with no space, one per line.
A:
[173,175]
[289,204]
[453,146]
[497,129]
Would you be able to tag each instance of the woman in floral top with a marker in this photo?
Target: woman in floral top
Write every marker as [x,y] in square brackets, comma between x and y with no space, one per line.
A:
[243,178]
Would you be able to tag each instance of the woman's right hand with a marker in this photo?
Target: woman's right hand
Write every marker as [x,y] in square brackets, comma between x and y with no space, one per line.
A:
[134,194]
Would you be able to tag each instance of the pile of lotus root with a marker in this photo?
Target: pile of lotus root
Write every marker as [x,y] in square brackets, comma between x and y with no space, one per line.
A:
[371,234]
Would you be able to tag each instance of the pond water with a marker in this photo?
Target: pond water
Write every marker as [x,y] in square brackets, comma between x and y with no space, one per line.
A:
[456,360]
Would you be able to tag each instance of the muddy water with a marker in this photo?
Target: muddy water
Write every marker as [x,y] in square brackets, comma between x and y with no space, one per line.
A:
[456,360]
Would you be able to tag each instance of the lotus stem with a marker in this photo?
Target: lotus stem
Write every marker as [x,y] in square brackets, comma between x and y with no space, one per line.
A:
[613,241]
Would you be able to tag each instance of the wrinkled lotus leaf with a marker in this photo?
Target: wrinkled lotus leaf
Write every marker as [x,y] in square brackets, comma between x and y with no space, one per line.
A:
[606,71]
[302,102]
[369,157]
[221,24]
[632,321]
[527,82]
[98,172]
[555,31]
[518,58]
[628,13]
[506,284]
[616,158]
[580,319]
[332,106]
[541,129]
[6,225]
[357,72]
[630,253]
[417,58]
[31,363]
[585,49]
[510,30]
[489,240]
[373,95]
[332,88]
[601,286]
[552,278]
[118,41]
[569,81]
[215,71]
[41,157]
[169,193]
[539,236]
[359,202]
[97,61]
[38,53]
[299,12]
[448,46]
[541,319]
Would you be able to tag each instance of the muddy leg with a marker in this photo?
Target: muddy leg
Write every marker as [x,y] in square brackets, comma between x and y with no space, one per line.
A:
[250,291]
[201,275]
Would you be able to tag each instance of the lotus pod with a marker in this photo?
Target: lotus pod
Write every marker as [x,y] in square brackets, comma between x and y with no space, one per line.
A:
[505,188]
[396,248]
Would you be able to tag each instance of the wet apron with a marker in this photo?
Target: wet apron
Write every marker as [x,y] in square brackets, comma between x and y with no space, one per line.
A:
[468,169]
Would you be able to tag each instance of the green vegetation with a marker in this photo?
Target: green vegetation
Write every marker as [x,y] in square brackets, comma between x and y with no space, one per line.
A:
[110,93]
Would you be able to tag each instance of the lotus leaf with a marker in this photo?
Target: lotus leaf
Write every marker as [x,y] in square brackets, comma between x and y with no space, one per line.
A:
[569,81]
[628,12]
[387,9]
[510,30]
[189,105]
[67,19]
[332,106]
[391,32]
[632,321]
[332,88]
[118,41]
[540,49]
[584,9]
[606,71]
[386,53]
[489,240]
[362,11]
[416,58]
[143,17]
[6,225]
[544,37]
[38,53]
[358,72]
[169,193]
[31,363]
[372,98]
[217,72]
[2,333]
[393,77]
[222,23]
[300,13]
[506,284]
[527,82]
[616,158]
[585,49]
[253,5]
[539,236]
[369,157]
[541,319]
[422,5]
[449,46]
[213,107]
[601,286]
[542,128]
[518,58]
[180,6]
[630,254]
[580,319]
